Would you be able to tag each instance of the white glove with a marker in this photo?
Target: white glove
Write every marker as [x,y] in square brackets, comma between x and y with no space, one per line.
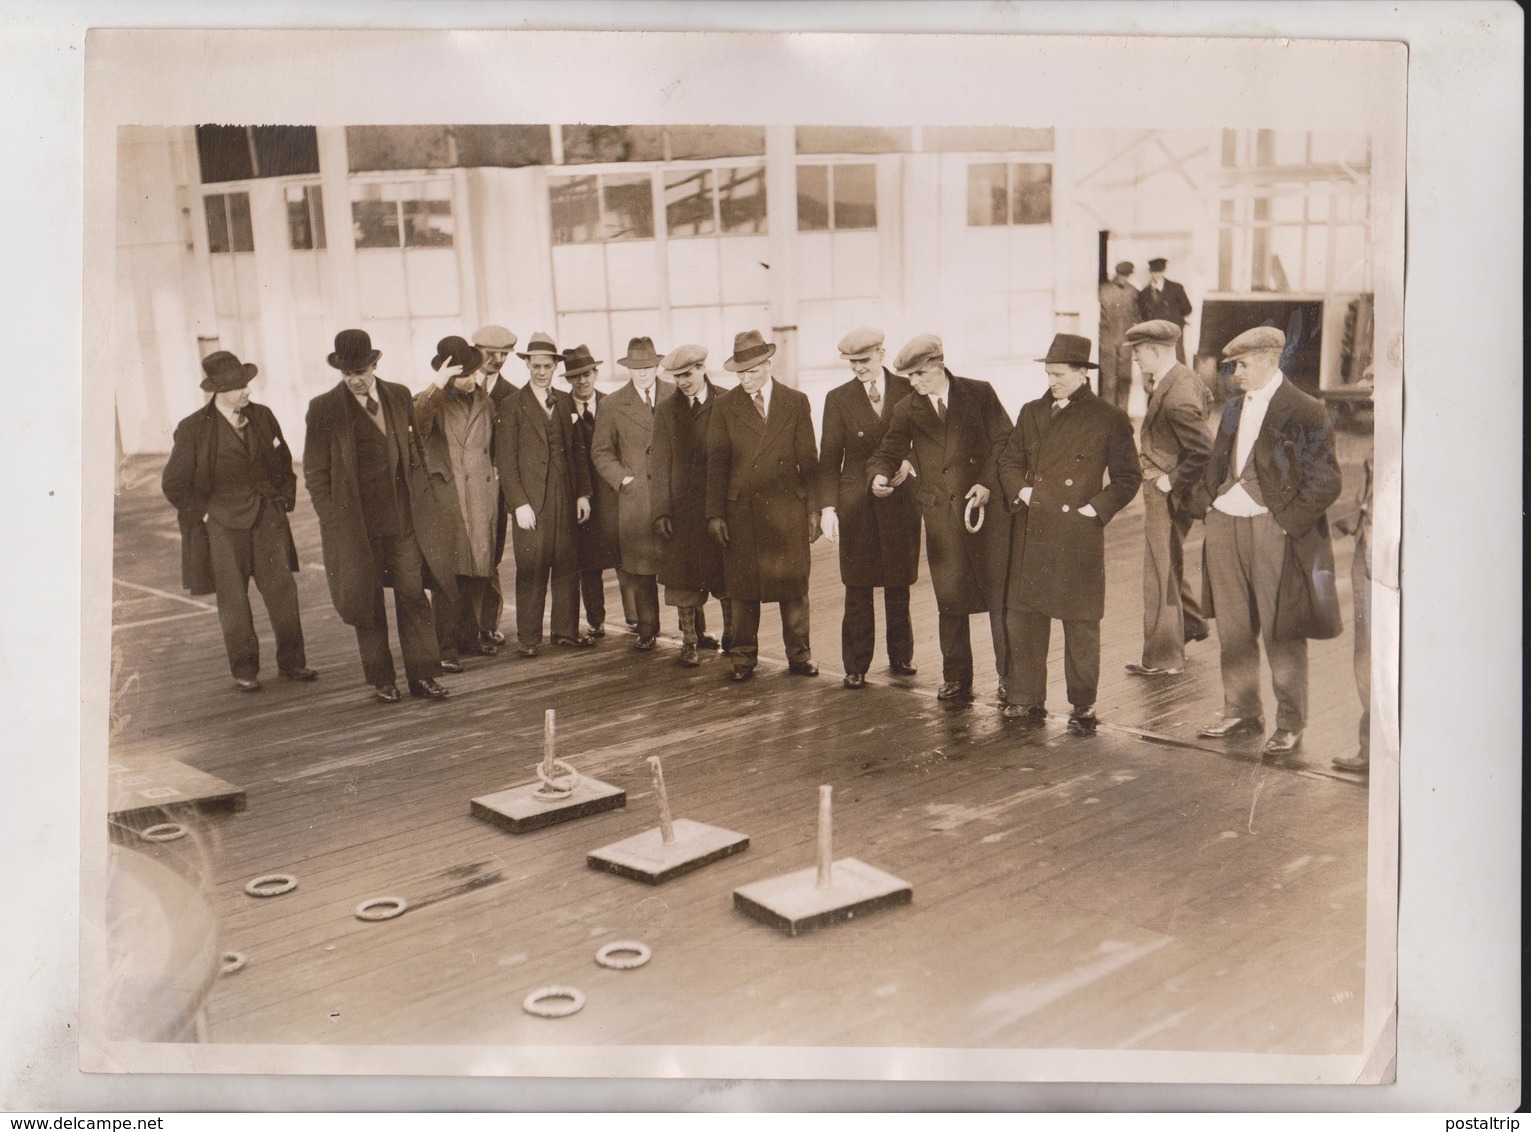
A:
[1026,496]
[526,518]
[1163,484]
[829,524]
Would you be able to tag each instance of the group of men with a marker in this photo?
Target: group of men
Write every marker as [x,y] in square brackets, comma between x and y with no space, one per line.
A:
[718,494]
[1123,306]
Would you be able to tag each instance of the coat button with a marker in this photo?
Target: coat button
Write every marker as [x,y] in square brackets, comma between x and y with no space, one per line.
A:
[1065,508]
[1068,483]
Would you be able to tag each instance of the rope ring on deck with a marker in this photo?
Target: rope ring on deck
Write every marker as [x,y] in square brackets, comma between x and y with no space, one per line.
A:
[164,831]
[624,955]
[272,884]
[231,961]
[554,1002]
[556,787]
[381,908]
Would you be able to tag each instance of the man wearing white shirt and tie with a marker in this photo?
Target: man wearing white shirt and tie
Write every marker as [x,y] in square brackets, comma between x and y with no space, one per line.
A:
[1269,564]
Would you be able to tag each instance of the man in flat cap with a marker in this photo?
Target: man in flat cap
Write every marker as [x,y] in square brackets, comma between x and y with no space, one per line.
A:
[1068,468]
[496,342]
[1165,299]
[620,453]
[1269,565]
[879,538]
[230,480]
[690,562]
[951,429]
[379,521]
[597,540]
[762,472]
[1118,311]
[546,482]
[1176,444]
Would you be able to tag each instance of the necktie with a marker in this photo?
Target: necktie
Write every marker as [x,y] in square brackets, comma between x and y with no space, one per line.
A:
[647,403]
[551,400]
[760,406]
[1148,385]
[941,408]
[872,394]
[239,419]
[696,403]
[372,405]
[588,416]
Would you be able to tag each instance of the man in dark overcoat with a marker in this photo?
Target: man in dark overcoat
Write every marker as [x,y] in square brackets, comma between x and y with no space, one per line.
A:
[762,469]
[1165,299]
[1054,474]
[596,540]
[497,343]
[953,429]
[1118,312]
[1176,443]
[545,476]
[1269,565]
[379,520]
[879,539]
[690,562]
[230,480]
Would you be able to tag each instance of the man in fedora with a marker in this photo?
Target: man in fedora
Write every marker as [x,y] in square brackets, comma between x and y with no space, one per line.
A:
[1068,468]
[690,562]
[378,518]
[762,468]
[951,429]
[1118,311]
[879,539]
[230,480]
[496,342]
[455,420]
[1176,444]
[1165,299]
[1269,571]
[546,481]
[620,453]
[596,540]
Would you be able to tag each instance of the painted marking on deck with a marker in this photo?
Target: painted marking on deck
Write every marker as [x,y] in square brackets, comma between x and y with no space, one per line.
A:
[1011,1006]
[163,593]
[951,816]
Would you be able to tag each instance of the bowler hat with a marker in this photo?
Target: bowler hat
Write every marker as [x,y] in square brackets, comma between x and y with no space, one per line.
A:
[1069,350]
[578,361]
[1157,330]
[859,343]
[539,343]
[917,351]
[224,372]
[459,353]
[1124,268]
[750,349]
[640,354]
[683,358]
[353,351]
[494,337]
[1158,264]
[1260,338]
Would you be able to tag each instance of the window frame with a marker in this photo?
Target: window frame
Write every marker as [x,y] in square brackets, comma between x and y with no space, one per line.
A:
[828,163]
[658,173]
[225,194]
[1010,161]
[403,179]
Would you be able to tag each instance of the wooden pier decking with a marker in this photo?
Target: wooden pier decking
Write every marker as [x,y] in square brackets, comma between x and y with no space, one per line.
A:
[1141,889]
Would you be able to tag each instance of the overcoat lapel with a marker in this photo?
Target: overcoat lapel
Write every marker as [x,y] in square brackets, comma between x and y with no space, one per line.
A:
[533,413]
[776,418]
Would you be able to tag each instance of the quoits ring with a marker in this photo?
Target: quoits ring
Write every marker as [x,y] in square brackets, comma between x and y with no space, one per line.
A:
[381,908]
[554,1002]
[623,955]
[272,884]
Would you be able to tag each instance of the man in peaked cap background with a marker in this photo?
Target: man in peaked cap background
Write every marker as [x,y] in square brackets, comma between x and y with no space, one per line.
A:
[1269,565]
[1165,299]
[231,482]
[497,343]
[1118,311]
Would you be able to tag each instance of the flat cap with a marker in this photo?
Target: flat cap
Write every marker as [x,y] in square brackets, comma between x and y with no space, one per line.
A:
[1158,330]
[683,358]
[1125,267]
[1260,338]
[918,351]
[493,337]
[861,342]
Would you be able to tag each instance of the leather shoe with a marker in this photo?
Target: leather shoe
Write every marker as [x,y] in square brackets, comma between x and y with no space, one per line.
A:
[1145,670]
[494,637]
[583,641]
[855,680]
[1002,692]
[452,666]
[803,668]
[1192,638]
[1024,711]
[597,631]
[644,644]
[247,683]
[1229,727]
[740,675]
[1283,742]
[708,643]
[527,651]
[480,648]
[688,657]
[427,689]
[1082,721]
[1358,763]
[388,693]
[903,669]
[954,690]
[305,673]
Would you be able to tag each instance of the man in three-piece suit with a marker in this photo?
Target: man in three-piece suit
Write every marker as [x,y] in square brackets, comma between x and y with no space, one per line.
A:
[1269,568]
[546,481]
[379,521]
[690,562]
[596,540]
[230,480]
[1118,311]
[762,466]
[953,428]
[1176,444]
[1165,299]
[620,452]
[1068,468]
[497,343]
[879,538]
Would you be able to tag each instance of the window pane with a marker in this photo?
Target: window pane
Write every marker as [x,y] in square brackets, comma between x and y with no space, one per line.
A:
[374,219]
[428,224]
[587,145]
[223,154]
[855,196]
[574,210]
[217,223]
[1032,198]
[627,207]
[241,237]
[300,231]
[504,146]
[689,143]
[812,198]
[688,203]
[284,151]
[316,212]
[986,195]
[742,199]
[854,139]
[370,148]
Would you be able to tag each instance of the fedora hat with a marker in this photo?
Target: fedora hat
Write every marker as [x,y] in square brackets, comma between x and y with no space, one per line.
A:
[578,361]
[640,354]
[457,351]
[750,349]
[223,372]
[1069,350]
[539,343]
[353,351]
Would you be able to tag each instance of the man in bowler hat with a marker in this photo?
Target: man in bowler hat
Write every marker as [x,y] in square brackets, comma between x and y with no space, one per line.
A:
[1118,311]
[231,482]
[1165,299]
[365,472]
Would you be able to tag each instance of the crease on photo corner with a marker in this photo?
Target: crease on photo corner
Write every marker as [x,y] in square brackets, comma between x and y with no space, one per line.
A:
[1380,1066]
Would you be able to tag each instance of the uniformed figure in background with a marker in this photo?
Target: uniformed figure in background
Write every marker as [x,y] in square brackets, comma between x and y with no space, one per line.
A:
[1069,467]
[879,538]
[1165,299]
[231,482]
[762,473]
[620,453]
[496,342]
[1118,311]
[1176,443]
[595,539]
[951,429]
[690,562]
